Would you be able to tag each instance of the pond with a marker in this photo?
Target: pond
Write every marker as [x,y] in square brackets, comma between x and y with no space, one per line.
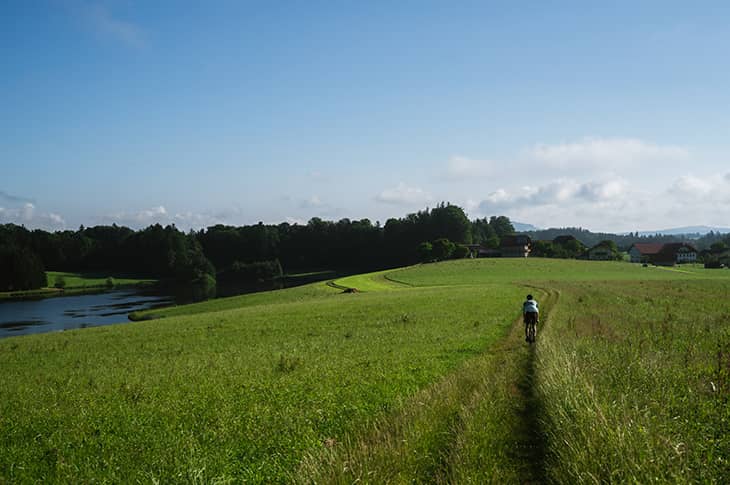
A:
[78,311]
[92,310]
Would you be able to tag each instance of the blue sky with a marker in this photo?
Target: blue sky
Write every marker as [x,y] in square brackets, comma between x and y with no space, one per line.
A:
[608,115]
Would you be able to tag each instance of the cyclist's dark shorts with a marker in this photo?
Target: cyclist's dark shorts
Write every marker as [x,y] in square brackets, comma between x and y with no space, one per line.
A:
[530,317]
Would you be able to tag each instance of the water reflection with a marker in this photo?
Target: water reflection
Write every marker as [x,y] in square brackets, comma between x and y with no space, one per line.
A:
[78,311]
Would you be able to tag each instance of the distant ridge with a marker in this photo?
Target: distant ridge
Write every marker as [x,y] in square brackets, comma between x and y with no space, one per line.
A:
[701,230]
[523,227]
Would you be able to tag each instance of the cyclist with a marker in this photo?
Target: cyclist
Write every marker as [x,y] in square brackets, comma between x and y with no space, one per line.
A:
[531,314]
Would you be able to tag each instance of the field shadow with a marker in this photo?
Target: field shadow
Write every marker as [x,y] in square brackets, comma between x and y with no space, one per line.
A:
[532,446]
[533,442]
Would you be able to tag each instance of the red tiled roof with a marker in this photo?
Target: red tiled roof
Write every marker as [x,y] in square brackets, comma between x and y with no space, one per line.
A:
[648,248]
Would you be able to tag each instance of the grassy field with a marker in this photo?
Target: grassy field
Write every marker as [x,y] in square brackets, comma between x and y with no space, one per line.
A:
[420,376]
[75,283]
[86,280]
[635,379]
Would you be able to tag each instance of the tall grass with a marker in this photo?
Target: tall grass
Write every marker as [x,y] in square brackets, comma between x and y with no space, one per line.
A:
[634,381]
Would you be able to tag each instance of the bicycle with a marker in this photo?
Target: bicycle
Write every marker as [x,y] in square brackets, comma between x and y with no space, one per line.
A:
[530,327]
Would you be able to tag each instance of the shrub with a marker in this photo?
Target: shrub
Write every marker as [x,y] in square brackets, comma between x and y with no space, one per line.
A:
[425,252]
[60,282]
[443,249]
[460,252]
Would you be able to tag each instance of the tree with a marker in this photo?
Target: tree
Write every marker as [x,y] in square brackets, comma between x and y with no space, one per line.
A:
[22,269]
[450,222]
[718,247]
[484,234]
[502,226]
[544,249]
[443,249]
[460,252]
[425,252]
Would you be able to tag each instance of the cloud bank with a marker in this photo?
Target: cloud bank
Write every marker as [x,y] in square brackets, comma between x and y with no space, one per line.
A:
[404,195]
[27,215]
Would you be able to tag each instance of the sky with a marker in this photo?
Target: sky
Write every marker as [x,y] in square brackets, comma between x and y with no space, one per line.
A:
[612,116]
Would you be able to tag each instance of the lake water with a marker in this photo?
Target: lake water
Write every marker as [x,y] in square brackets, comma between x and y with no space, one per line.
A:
[79,311]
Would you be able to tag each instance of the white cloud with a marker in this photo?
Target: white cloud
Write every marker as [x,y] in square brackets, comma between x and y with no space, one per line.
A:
[140,218]
[691,187]
[460,167]
[596,151]
[561,192]
[404,195]
[312,202]
[602,191]
[614,204]
[27,215]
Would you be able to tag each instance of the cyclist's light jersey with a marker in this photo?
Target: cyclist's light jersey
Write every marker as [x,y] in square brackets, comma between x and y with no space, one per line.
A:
[530,306]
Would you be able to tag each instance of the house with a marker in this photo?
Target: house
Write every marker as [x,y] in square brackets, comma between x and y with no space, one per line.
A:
[673,253]
[601,252]
[563,240]
[489,253]
[515,246]
[644,252]
[667,254]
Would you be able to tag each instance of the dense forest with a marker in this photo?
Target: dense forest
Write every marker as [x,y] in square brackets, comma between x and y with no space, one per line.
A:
[243,253]
[260,252]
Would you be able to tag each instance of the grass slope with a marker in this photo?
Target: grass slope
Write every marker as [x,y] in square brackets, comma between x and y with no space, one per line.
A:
[422,376]
[239,393]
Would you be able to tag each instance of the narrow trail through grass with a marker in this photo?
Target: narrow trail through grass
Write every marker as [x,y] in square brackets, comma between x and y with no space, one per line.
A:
[480,424]
[534,445]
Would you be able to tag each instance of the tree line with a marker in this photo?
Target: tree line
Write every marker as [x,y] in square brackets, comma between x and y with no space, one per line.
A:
[258,252]
[624,241]
[240,253]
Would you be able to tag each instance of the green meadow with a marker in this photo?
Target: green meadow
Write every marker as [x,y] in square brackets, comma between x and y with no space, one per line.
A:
[76,283]
[87,280]
[422,375]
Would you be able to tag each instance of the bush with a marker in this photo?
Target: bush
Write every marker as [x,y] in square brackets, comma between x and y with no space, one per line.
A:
[256,272]
[460,252]
[443,249]
[110,283]
[425,252]
[60,282]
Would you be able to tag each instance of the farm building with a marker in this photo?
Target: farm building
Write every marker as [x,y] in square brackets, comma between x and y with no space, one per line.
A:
[643,252]
[600,252]
[663,254]
[515,246]
[565,239]
[673,253]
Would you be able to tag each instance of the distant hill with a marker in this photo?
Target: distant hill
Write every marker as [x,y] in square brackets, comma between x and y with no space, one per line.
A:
[523,227]
[688,230]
